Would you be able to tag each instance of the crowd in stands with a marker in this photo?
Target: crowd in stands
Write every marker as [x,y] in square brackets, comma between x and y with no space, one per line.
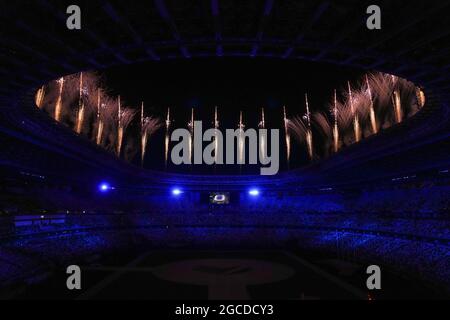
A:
[405,228]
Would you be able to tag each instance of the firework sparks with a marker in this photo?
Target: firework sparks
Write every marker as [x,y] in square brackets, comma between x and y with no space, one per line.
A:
[381,85]
[167,138]
[39,98]
[324,130]
[367,108]
[216,118]
[241,150]
[263,138]
[108,112]
[125,117]
[396,102]
[216,142]
[300,131]
[397,106]
[58,106]
[373,120]
[143,135]
[309,138]
[356,127]
[99,119]
[119,127]
[262,123]
[287,135]
[420,97]
[80,114]
[191,137]
[335,126]
[149,125]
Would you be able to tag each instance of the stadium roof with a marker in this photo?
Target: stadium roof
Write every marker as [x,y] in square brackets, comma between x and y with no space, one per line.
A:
[36,47]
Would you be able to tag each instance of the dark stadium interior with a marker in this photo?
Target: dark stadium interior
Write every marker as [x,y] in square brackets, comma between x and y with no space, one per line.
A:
[308,232]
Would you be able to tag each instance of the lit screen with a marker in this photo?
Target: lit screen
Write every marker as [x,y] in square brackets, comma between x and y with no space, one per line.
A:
[219,198]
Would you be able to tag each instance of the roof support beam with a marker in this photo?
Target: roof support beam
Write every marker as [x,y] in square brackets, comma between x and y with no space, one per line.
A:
[321,9]
[115,15]
[412,19]
[166,16]
[217,27]
[357,21]
[262,23]
[87,31]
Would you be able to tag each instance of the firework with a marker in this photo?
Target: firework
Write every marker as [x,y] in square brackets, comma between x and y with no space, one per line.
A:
[167,138]
[191,137]
[397,106]
[99,119]
[309,138]
[143,135]
[91,83]
[149,125]
[142,114]
[80,114]
[263,138]
[216,142]
[373,120]
[125,117]
[216,118]
[297,126]
[241,150]
[58,106]
[262,122]
[335,126]
[39,98]
[356,126]
[396,102]
[108,118]
[420,97]
[119,127]
[375,104]
[287,136]
[381,85]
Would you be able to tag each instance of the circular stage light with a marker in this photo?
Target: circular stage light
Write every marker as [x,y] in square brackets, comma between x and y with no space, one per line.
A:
[176,191]
[104,187]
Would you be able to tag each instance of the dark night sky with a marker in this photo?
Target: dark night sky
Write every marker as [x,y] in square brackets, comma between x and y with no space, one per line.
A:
[232,84]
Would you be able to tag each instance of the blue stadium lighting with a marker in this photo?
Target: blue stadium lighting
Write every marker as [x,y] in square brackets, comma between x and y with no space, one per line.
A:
[176,191]
[104,187]
[253,192]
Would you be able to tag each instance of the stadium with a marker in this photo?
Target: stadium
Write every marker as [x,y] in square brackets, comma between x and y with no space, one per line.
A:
[86,118]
